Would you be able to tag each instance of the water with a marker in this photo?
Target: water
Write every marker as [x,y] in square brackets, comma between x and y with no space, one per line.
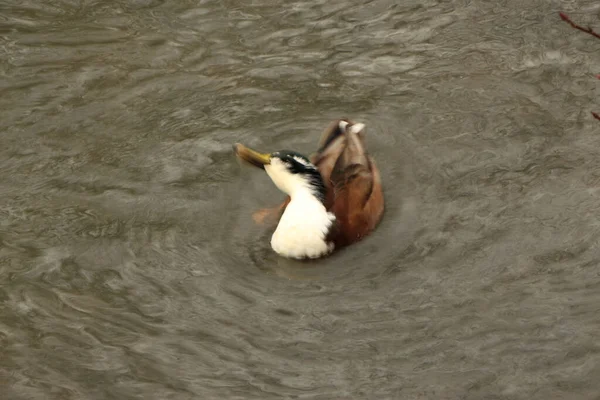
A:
[130,267]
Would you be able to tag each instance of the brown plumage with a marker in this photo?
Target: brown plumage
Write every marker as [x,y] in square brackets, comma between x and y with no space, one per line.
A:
[353,190]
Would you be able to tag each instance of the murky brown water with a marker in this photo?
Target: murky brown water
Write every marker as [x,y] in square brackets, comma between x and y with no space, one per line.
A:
[130,267]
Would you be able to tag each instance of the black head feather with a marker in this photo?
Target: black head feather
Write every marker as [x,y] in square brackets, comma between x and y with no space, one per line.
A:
[296,163]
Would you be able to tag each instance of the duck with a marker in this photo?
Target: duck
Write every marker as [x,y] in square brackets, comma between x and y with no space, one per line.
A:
[334,197]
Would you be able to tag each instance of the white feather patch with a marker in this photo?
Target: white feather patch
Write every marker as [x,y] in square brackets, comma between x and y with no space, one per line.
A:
[284,180]
[303,228]
[357,127]
[304,162]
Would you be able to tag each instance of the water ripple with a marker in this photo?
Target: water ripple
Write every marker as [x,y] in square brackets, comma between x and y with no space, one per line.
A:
[130,266]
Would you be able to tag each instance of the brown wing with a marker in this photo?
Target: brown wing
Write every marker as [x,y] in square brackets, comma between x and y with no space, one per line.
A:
[355,195]
[331,146]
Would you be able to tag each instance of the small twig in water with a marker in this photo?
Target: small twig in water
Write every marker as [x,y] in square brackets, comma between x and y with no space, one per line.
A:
[589,30]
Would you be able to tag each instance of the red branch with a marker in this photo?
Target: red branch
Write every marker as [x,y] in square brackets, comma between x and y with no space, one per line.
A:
[589,30]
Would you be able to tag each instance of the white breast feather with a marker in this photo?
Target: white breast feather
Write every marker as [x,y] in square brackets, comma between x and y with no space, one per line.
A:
[302,229]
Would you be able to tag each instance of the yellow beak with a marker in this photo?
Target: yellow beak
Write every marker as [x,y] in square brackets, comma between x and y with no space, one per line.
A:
[253,157]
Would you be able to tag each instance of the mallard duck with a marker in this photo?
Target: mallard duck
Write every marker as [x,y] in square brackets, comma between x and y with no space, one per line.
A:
[334,197]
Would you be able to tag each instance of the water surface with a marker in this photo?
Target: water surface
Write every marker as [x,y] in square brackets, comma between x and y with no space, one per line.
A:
[130,267]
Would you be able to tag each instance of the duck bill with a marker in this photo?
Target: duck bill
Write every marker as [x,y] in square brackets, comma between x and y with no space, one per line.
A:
[251,156]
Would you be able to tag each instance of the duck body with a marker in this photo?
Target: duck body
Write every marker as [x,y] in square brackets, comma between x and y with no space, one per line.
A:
[335,197]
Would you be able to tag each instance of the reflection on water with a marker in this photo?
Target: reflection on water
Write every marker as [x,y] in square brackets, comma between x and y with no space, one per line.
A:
[130,266]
